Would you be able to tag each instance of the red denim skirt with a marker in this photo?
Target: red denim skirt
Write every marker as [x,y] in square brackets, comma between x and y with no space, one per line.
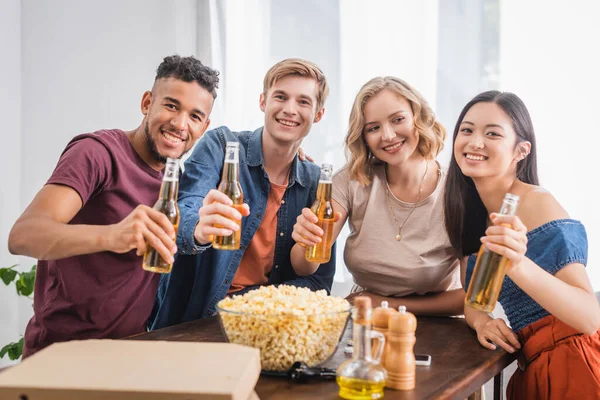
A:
[556,362]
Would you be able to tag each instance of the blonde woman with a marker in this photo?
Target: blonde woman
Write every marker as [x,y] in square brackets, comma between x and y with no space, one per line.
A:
[391,193]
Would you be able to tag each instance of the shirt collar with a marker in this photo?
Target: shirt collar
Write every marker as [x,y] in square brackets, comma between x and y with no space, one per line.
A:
[299,171]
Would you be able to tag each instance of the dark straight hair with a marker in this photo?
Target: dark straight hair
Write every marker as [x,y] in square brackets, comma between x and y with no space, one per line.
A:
[465,215]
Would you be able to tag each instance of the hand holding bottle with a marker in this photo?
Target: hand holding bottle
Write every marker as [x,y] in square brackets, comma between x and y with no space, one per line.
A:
[306,231]
[507,237]
[142,227]
[216,211]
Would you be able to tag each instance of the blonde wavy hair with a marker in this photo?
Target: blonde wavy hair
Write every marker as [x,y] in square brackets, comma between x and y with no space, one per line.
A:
[298,67]
[431,133]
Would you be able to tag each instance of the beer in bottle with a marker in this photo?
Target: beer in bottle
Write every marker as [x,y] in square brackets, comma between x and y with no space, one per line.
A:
[166,204]
[322,208]
[230,185]
[490,268]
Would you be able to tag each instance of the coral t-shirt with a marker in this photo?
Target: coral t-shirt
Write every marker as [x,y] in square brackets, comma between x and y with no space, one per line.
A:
[257,260]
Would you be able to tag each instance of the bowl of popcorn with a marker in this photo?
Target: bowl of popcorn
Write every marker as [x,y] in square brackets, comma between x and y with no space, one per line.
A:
[286,323]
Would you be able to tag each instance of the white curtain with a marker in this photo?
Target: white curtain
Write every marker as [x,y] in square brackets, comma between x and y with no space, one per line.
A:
[342,37]
[552,65]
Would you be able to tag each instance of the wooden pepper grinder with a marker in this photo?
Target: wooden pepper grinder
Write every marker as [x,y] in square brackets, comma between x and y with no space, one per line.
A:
[400,358]
[381,316]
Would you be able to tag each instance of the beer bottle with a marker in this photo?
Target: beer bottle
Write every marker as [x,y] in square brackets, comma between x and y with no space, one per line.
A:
[230,185]
[166,204]
[490,268]
[322,208]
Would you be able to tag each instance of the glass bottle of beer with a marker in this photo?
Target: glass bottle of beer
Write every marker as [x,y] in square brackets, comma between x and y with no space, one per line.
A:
[166,204]
[230,185]
[322,208]
[490,268]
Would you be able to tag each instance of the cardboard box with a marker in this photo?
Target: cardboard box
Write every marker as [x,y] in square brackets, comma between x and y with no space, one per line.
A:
[129,369]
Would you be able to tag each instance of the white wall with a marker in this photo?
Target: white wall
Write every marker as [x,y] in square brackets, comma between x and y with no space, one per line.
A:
[548,57]
[67,73]
[10,110]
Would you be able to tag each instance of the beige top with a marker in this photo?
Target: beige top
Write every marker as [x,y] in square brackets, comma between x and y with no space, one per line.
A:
[422,262]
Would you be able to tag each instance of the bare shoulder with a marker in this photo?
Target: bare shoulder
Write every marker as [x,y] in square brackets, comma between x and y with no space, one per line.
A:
[538,207]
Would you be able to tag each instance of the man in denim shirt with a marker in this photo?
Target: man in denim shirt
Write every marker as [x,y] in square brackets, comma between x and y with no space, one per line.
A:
[276,186]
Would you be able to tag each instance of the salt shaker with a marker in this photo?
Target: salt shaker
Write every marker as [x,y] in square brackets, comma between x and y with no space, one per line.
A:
[400,358]
[381,317]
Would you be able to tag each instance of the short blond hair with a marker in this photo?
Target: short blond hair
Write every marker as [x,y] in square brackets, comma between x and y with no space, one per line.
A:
[431,133]
[298,67]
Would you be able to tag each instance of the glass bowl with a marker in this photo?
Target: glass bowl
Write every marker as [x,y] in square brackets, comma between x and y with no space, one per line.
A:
[284,338]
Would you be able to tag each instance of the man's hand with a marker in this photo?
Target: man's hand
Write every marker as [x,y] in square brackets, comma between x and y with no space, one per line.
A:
[144,227]
[216,211]
[375,298]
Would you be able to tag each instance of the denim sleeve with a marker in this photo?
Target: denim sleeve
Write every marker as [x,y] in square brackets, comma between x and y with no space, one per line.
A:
[321,279]
[202,173]
[557,244]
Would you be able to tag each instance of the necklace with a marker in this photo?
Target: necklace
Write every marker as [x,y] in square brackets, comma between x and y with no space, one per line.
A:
[399,235]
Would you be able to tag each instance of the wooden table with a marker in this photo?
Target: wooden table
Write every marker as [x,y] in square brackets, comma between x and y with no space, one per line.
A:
[459,366]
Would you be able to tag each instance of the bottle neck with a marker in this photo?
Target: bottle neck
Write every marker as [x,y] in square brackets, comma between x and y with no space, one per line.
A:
[169,189]
[231,172]
[361,342]
[170,182]
[324,190]
[508,208]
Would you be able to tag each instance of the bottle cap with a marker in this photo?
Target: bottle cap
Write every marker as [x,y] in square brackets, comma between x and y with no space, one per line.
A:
[381,315]
[403,322]
[362,309]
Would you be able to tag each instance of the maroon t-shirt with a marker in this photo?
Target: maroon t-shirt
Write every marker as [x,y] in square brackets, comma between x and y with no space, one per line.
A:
[100,295]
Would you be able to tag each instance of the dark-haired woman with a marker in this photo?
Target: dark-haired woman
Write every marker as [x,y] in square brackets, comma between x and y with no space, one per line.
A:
[547,295]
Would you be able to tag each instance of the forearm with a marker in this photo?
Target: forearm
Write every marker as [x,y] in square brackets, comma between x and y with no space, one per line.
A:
[476,318]
[46,239]
[440,304]
[186,243]
[572,305]
[299,262]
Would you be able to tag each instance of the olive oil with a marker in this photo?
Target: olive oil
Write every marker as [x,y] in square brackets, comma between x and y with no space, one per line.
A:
[362,377]
[360,389]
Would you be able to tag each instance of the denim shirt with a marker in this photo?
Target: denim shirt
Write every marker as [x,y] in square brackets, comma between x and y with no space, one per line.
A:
[551,246]
[201,275]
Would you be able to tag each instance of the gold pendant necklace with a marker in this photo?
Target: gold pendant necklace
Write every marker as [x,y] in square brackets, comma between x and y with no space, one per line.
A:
[399,235]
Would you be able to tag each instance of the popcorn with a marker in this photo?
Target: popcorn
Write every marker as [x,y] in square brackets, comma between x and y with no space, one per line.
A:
[286,323]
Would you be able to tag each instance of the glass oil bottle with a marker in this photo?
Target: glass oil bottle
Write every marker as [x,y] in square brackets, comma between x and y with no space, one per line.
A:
[363,377]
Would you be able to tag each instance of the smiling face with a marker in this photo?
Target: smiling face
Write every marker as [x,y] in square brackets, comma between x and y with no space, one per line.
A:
[389,130]
[176,115]
[485,143]
[290,108]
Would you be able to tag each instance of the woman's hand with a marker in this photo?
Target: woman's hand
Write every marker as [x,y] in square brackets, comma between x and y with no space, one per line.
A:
[306,231]
[496,331]
[507,237]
